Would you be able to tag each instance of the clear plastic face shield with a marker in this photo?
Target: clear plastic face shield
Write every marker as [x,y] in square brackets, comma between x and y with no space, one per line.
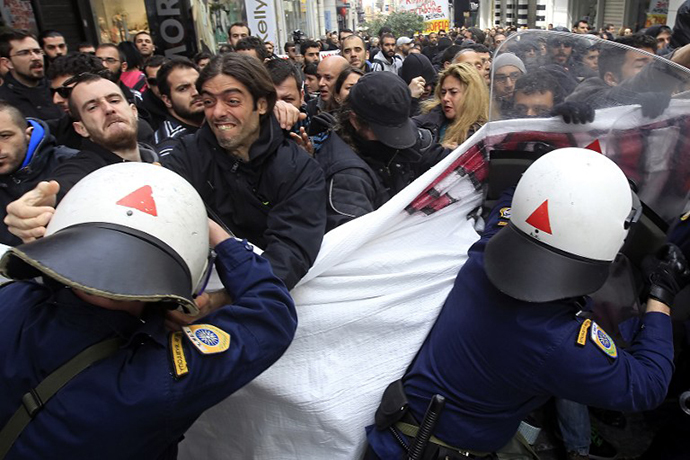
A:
[640,103]
[206,275]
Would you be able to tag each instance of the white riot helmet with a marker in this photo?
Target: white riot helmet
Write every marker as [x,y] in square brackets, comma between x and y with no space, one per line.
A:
[129,231]
[571,213]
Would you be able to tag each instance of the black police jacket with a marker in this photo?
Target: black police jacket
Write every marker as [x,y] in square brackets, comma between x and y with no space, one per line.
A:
[353,188]
[33,102]
[277,200]
[43,158]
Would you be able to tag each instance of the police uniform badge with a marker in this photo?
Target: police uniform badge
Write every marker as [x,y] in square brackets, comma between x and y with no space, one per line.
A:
[504,216]
[179,360]
[602,340]
[208,339]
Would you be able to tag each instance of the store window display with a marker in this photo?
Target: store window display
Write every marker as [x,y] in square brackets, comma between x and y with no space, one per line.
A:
[119,20]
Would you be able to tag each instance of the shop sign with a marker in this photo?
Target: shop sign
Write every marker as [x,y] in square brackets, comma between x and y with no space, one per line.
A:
[262,19]
[172,27]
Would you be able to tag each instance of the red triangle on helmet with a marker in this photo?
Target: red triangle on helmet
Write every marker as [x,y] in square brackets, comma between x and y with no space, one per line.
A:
[140,199]
[595,145]
[539,219]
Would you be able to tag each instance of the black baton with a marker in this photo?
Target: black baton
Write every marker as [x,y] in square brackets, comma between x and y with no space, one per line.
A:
[427,427]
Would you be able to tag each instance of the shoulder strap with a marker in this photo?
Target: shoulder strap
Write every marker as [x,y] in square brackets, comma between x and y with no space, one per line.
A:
[36,398]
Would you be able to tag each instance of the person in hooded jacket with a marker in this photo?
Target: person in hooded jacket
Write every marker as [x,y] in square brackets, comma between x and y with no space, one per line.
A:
[28,155]
[681,29]
[374,121]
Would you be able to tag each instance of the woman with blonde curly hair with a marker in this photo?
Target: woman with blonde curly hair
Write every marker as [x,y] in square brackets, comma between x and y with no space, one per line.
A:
[459,108]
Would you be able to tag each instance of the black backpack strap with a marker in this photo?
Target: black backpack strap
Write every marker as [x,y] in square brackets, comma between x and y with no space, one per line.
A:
[36,398]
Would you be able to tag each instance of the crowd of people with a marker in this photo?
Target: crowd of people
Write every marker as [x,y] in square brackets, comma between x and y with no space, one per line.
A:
[282,148]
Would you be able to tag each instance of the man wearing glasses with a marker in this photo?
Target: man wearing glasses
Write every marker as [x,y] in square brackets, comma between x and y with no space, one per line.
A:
[25,86]
[507,69]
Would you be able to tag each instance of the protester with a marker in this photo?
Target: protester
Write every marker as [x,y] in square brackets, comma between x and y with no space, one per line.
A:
[144,44]
[258,182]
[28,155]
[108,123]
[459,108]
[386,59]
[53,44]
[25,86]
[177,86]
[355,51]
[238,31]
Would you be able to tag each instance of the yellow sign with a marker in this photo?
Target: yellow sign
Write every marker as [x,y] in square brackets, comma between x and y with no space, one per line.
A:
[436,25]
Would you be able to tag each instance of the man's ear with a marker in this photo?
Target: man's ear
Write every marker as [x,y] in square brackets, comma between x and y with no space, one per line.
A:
[166,100]
[610,79]
[301,96]
[262,105]
[80,129]
[7,63]
[134,110]
[353,121]
[28,132]
[123,66]
[366,55]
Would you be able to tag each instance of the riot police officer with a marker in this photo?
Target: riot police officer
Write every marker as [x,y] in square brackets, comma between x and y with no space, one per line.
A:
[512,332]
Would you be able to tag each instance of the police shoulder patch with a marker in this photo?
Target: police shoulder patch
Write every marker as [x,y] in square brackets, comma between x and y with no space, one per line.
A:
[504,216]
[603,341]
[208,339]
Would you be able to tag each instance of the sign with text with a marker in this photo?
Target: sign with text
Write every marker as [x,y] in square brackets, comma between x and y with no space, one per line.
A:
[172,27]
[657,13]
[261,16]
[434,12]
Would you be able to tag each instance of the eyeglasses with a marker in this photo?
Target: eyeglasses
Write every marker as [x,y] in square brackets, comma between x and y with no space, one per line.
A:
[63,91]
[26,53]
[110,60]
[504,78]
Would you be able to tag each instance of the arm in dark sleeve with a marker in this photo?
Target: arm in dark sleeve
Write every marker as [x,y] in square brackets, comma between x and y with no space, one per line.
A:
[261,323]
[499,216]
[350,194]
[297,222]
[636,380]
[74,169]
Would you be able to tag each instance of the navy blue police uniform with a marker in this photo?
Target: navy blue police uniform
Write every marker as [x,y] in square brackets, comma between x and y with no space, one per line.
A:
[137,403]
[495,359]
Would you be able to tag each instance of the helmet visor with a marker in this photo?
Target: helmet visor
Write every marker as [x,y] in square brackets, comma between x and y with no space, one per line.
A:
[106,260]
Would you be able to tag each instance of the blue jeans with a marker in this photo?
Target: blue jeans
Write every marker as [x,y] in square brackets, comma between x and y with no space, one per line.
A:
[573,420]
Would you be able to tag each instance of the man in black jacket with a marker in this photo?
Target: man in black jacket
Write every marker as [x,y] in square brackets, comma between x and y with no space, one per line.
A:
[25,86]
[257,181]
[108,123]
[28,155]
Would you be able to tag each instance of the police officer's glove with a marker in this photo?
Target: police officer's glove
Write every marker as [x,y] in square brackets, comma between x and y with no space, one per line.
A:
[574,112]
[667,273]
[653,104]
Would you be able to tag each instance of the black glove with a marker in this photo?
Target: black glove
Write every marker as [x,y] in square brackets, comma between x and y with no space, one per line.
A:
[667,273]
[653,104]
[574,112]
